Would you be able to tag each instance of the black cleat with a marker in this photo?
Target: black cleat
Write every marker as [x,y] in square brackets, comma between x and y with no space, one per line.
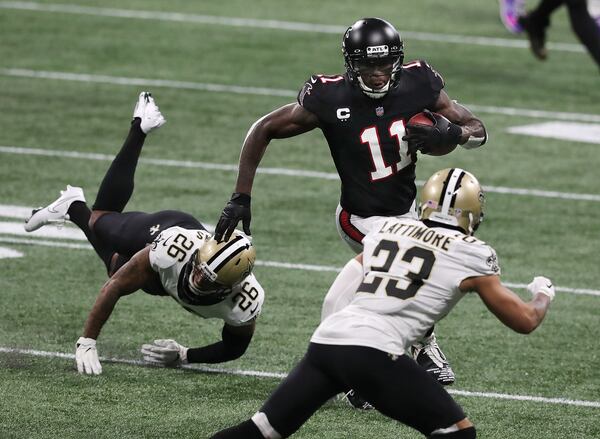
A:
[356,401]
[536,33]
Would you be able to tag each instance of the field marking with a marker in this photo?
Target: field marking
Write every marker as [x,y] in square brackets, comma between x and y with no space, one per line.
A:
[278,171]
[9,253]
[274,264]
[224,88]
[569,131]
[279,375]
[294,26]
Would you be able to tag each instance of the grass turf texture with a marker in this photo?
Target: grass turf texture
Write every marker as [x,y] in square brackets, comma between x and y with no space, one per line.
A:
[46,295]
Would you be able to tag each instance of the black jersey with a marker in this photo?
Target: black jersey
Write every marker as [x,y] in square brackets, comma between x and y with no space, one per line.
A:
[365,136]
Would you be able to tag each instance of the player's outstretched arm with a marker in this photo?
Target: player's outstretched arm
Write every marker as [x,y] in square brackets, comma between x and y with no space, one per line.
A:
[522,317]
[128,279]
[235,341]
[287,121]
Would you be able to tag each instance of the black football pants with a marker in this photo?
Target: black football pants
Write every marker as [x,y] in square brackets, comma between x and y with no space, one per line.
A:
[395,385]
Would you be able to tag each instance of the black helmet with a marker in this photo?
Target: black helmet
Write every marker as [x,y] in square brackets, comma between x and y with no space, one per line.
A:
[372,41]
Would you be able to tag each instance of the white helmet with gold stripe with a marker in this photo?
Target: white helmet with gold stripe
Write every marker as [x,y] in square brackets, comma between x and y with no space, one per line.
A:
[454,197]
[222,264]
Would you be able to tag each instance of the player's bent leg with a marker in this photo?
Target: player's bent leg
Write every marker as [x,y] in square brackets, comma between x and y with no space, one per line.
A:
[431,358]
[400,389]
[350,232]
[353,228]
[585,27]
[129,232]
[307,387]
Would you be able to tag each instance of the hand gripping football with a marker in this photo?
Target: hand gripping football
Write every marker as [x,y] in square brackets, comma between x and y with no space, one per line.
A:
[431,133]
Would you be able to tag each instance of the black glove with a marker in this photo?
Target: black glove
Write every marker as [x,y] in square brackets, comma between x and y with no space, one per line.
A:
[238,208]
[428,138]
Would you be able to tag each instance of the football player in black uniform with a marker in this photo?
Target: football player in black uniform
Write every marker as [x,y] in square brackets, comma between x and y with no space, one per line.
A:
[363,115]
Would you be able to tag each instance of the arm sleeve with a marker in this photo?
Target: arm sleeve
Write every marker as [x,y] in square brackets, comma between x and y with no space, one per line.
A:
[229,348]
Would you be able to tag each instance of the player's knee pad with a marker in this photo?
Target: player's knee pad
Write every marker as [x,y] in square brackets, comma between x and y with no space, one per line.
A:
[465,433]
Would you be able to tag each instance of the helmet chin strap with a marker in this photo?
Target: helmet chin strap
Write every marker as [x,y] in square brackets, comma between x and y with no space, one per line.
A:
[371,92]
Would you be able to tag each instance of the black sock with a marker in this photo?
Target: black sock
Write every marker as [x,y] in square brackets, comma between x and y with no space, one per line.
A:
[245,430]
[585,27]
[79,214]
[117,186]
[544,9]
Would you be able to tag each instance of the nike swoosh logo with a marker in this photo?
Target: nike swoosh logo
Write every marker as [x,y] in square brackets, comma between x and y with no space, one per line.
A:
[313,80]
[66,200]
[549,285]
[254,310]
[166,240]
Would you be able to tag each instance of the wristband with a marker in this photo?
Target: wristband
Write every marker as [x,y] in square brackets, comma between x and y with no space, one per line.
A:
[454,133]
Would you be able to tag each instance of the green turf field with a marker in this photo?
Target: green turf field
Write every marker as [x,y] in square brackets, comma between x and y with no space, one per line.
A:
[70,73]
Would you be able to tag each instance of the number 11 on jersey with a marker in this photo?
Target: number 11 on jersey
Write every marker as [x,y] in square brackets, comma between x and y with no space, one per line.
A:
[370,136]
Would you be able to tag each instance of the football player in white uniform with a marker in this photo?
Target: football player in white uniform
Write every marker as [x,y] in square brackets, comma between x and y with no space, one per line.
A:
[414,272]
[166,253]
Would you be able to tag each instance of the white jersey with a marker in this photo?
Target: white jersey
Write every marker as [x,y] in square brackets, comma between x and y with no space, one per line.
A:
[411,280]
[170,252]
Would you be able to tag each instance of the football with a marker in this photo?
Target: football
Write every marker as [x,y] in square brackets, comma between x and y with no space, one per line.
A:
[420,119]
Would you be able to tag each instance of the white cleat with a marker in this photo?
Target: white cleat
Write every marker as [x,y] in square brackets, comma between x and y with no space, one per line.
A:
[55,212]
[147,110]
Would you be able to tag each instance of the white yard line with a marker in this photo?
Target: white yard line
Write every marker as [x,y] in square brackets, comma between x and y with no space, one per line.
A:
[280,375]
[509,43]
[224,88]
[273,264]
[277,171]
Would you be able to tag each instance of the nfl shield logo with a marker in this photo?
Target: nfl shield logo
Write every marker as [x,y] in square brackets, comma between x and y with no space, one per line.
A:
[379,111]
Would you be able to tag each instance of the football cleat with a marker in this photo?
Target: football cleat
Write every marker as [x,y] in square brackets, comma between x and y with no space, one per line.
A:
[509,14]
[536,33]
[149,113]
[356,401]
[55,212]
[431,358]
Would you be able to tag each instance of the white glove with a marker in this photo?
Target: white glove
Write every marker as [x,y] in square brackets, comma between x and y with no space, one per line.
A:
[165,353]
[86,356]
[541,284]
